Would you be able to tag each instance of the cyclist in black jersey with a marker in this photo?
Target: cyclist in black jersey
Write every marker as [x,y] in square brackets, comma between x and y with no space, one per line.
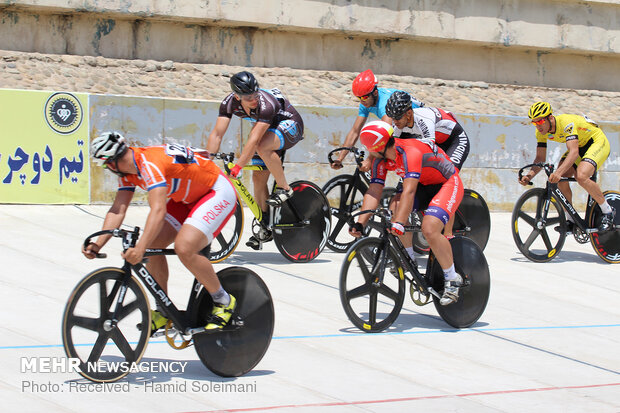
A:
[276,127]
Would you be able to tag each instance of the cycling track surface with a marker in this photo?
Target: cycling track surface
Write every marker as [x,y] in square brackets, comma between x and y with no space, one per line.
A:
[548,341]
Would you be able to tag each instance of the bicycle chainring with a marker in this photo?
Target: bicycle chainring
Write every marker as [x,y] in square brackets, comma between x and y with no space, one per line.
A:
[580,236]
[419,296]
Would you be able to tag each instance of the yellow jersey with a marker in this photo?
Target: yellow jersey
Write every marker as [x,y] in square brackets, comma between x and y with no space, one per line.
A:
[569,127]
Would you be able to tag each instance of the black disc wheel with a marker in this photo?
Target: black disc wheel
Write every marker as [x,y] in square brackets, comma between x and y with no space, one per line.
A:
[470,263]
[239,346]
[606,244]
[538,225]
[89,334]
[371,306]
[227,240]
[473,219]
[302,224]
[344,194]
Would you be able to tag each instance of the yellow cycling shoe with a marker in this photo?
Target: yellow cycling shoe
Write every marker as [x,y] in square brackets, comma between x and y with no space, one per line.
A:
[220,316]
[157,321]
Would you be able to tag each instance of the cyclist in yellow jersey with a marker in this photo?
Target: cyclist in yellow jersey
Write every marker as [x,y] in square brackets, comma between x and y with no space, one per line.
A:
[588,148]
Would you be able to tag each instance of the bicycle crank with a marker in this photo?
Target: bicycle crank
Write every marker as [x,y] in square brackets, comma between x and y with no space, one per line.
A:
[172,334]
[418,295]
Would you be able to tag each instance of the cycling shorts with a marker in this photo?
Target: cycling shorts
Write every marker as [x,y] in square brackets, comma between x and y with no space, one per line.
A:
[289,132]
[440,200]
[595,153]
[456,146]
[210,213]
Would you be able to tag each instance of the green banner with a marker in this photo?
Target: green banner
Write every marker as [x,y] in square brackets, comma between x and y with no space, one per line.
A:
[43,147]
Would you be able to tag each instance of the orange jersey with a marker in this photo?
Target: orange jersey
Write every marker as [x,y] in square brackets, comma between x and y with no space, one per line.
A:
[186,175]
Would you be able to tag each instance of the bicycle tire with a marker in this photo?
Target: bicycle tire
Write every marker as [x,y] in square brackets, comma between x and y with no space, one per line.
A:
[356,284]
[606,244]
[470,262]
[306,243]
[228,239]
[341,209]
[86,313]
[540,245]
[473,212]
[234,351]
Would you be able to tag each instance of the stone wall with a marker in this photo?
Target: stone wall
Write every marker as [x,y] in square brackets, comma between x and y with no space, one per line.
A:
[572,44]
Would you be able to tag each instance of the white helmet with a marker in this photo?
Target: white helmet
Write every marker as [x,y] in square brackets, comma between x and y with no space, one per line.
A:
[107,147]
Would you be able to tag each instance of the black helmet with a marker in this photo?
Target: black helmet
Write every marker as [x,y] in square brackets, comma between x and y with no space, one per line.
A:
[243,83]
[398,103]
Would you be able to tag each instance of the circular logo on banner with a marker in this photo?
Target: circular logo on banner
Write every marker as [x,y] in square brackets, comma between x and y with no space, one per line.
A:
[63,113]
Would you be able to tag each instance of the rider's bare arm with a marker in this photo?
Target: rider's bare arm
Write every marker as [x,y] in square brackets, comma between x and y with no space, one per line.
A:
[350,140]
[571,157]
[256,134]
[113,219]
[157,198]
[405,205]
[216,135]
[541,156]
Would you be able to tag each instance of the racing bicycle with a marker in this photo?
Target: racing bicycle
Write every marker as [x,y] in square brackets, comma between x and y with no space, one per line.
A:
[107,318]
[539,222]
[300,226]
[472,218]
[345,194]
[375,271]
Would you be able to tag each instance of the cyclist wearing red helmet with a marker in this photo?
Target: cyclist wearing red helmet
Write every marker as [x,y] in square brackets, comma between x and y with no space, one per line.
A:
[372,100]
[417,162]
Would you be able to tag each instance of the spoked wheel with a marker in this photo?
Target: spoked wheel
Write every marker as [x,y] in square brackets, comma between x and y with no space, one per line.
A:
[344,194]
[302,244]
[472,218]
[88,334]
[227,240]
[606,244]
[238,347]
[371,308]
[470,262]
[534,223]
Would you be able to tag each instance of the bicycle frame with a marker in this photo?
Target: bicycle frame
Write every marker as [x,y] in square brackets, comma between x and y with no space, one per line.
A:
[416,277]
[553,190]
[178,317]
[249,200]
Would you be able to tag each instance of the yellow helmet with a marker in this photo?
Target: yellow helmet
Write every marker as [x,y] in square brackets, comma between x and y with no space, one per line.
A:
[540,110]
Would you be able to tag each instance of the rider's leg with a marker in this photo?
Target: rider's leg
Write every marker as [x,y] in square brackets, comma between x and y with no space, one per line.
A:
[261,191]
[431,228]
[447,231]
[585,170]
[188,244]
[266,149]
[203,224]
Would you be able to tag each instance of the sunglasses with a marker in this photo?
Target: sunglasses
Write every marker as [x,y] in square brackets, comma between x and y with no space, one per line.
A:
[249,98]
[539,121]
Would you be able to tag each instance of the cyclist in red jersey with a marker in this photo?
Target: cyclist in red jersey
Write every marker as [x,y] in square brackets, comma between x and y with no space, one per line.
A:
[429,124]
[416,162]
[190,200]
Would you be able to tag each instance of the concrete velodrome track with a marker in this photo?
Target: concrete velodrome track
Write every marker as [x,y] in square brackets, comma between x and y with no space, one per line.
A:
[548,341]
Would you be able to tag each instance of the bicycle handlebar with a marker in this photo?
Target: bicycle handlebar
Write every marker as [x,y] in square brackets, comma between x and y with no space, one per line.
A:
[358,153]
[130,238]
[385,214]
[548,168]
[226,157]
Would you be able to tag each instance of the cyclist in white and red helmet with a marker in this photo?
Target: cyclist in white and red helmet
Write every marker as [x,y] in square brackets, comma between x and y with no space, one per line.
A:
[418,163]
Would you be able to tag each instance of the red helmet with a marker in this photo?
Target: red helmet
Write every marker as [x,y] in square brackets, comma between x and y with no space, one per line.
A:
[376,135]
[364,84]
